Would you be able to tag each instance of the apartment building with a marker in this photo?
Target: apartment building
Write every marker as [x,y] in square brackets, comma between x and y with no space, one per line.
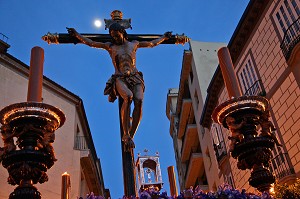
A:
[265,53]
[73,146]
[193,151]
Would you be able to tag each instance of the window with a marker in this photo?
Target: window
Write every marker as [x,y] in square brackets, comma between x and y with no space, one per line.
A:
[285,14]
[218,141]
[286,20]
[280,163]
[217,134]
[277,158]
[249,78]
[80,140]
[296,7]
[247,75]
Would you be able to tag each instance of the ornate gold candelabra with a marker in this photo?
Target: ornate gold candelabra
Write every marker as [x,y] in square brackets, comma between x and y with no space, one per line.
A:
[242,116]
[33,125]
[28,133]
[247,118]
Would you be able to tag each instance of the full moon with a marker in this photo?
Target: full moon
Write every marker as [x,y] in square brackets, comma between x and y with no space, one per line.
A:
[97,23]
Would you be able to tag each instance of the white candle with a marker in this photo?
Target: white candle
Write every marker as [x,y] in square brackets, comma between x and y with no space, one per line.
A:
[35,83]
[66,185]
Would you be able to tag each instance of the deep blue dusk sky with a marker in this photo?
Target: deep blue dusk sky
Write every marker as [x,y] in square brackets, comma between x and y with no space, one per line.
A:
[84,70]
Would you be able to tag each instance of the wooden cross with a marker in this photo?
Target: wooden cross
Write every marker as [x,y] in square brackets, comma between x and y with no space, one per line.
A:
[91,39]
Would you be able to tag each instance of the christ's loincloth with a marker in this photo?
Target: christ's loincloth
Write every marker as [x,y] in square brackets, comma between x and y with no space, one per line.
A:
[130,80]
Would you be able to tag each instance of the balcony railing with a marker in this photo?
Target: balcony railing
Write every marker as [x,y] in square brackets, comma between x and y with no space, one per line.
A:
[256,89]
[220,150]
[281,167]
[80,143]
[290,39]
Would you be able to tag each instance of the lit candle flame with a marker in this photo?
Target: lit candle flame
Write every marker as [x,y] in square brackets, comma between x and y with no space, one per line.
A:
[272,189]
[65,173]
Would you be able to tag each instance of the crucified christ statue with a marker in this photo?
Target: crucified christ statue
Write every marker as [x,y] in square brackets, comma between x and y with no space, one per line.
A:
[127,82]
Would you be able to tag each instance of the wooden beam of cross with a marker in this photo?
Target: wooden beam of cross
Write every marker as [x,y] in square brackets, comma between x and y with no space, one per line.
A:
[65,38]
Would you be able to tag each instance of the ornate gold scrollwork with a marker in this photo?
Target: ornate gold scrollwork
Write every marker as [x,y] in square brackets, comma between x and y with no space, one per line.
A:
[181,39]
[51,38]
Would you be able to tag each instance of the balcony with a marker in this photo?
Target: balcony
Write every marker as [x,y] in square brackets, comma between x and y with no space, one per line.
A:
[80,143]
[90,172]
[89,164]
[257,89]
[190,141]
[184,116]
[282,168]
[291,39]
[194,169]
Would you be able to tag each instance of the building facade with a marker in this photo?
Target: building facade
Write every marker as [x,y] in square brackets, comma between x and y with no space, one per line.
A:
[193,153]
[73,146]
[265,53]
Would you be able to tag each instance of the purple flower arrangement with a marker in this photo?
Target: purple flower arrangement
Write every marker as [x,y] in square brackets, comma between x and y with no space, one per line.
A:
[223,192]
[92,196]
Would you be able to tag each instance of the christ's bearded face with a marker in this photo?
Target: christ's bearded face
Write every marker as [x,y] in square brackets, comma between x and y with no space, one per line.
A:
[117,36]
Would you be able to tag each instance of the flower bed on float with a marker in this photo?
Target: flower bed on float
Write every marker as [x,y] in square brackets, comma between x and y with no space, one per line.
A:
[224,192]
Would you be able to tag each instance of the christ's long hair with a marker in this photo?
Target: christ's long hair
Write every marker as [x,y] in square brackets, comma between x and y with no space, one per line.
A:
[117,27]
